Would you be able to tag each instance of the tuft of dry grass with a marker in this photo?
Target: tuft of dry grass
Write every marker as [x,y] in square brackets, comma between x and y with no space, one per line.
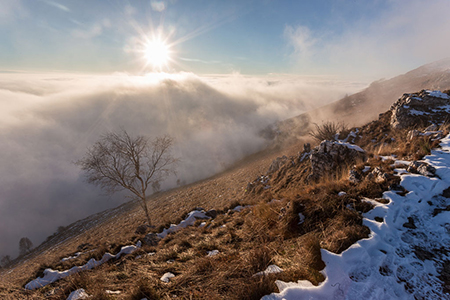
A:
[328,131]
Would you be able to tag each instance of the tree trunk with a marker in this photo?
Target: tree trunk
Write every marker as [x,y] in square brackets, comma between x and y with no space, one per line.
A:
[144,206]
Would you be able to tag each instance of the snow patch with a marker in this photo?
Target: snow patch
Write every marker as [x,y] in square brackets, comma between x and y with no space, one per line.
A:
[213,252]
[51,276]
[301,218]
[166,277]
[189,221]
[272,269]
[437,94]
[350,146]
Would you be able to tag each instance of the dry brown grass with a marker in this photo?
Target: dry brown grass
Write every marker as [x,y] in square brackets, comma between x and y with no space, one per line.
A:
[270,232]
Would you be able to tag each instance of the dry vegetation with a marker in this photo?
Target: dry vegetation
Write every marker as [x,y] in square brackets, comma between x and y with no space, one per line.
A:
[268,232]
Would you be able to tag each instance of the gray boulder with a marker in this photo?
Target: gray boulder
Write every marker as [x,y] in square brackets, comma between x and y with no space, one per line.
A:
[423,108]
[329,155]
[151,239]
[277,163]
[421,167]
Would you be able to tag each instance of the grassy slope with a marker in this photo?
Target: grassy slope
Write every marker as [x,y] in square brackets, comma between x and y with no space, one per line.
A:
[264,234]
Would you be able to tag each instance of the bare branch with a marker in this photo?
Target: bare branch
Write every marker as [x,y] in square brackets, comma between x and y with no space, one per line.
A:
[119,161]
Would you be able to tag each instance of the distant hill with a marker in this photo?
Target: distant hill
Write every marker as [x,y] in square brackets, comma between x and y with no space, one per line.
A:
[365,106]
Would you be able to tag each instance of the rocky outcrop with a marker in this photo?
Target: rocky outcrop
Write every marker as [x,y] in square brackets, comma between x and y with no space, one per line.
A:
[424,108]
[151,239]
[329,155]
[277,164]
[378,175]
[421,167]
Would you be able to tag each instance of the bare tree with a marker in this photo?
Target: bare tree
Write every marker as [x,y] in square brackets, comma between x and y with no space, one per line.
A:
[119,161]
[25,245]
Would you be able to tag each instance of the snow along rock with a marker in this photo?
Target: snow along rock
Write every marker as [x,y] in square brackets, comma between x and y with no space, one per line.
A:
[272,269]
[78,295]
[188,221]
[420,108]
[329,155]
[51,276]
[420,167]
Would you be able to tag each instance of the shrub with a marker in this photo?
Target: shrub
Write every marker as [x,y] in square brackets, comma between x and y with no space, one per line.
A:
[328,131]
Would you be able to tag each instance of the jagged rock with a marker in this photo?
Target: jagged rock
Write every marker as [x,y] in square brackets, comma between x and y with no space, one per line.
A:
[212,213]
[429,133]
[426,170]
[329,155]
[413,133]
[277,163]
[142,229]
[151,239]
[354,176]
[307,147]
[420,108]
[421,167]
[378,175]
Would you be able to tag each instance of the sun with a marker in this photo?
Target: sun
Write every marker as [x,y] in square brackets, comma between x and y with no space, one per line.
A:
[157,53]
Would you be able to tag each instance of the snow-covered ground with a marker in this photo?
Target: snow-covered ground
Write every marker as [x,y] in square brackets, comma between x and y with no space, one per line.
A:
[403,256]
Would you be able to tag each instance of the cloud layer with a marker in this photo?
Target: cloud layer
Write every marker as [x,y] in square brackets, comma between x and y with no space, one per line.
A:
[380,43]
[47,122]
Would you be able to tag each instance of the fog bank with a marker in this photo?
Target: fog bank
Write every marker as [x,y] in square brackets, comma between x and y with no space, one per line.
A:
[47,121]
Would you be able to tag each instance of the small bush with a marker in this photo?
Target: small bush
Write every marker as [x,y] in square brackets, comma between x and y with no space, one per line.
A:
[328,131]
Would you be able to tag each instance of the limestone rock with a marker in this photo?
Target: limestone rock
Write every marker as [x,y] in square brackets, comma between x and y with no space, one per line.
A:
[423,168]
[212,213]
[151,239]
[354,176]
[378,175]
[420,108]
[329,155]
[277,163]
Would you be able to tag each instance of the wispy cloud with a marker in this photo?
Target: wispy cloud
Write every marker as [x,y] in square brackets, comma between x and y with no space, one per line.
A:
[93,31]
[200,60]
[407,32]
[301,39]
[158,5]
[57,5]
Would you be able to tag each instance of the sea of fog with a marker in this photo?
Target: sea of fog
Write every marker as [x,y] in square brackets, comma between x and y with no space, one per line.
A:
[47,121]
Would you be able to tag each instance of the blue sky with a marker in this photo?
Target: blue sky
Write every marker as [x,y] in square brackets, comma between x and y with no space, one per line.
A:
[375,39]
